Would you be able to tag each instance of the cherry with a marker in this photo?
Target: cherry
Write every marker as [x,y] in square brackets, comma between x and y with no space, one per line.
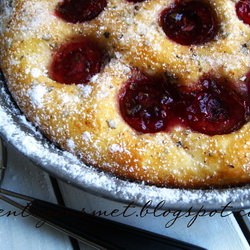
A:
[243,10]
[150,104]
[189,22]
[215,109]
[78,11]
[146,103]
[76,62]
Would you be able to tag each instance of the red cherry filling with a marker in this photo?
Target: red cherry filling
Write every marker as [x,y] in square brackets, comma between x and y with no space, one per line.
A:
[243,11]
[215,109]
[76,62]
[146,103]
[77,11]
[150,104]
[189,22]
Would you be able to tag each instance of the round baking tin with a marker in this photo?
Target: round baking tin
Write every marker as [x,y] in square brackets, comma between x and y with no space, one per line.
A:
[25,138]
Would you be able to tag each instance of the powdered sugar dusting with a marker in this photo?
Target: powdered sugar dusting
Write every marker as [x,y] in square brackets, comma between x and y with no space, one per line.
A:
[112,124]
[71,145]
[116,148]
[86,90]
[35,72]
[38,15]
[37,94]
[68,99]
[86,136]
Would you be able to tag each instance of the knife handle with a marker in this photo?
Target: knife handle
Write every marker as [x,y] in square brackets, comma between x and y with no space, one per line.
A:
[103,232]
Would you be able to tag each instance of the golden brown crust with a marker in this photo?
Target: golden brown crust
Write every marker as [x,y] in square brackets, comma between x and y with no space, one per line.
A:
[85,120]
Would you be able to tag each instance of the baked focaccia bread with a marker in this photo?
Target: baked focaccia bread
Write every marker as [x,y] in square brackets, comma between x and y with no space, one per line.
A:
[155,91]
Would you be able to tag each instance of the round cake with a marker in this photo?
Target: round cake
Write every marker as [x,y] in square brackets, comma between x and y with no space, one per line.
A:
[154,91]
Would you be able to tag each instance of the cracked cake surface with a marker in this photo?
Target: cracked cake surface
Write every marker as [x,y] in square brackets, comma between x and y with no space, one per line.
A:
[111,85]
